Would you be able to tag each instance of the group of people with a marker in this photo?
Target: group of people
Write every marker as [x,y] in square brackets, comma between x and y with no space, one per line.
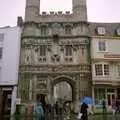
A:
[86,108]
[43,109]
[115,106]
[39,110]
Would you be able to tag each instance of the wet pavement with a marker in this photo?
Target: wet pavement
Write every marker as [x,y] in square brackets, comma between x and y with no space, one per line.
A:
[49,117]
[104,117]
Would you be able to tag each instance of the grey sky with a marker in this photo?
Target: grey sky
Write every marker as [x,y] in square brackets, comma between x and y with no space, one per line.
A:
[98,10]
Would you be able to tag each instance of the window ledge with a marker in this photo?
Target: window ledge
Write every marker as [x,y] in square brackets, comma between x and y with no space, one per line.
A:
[102,52]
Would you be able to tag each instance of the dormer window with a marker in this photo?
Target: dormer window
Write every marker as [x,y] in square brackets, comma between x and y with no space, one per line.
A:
[100,30]
[67,29]
[118,31]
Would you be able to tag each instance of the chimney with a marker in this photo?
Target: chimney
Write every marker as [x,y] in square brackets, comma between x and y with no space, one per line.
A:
[19,21]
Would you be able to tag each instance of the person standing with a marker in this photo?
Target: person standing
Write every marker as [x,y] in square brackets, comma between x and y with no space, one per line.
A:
[117,106]
[104,106]
[39,112]
[113,105]
[57,108]
[83,110]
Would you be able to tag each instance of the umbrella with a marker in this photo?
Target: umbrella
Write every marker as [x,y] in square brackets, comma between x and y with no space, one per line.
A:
[87,100]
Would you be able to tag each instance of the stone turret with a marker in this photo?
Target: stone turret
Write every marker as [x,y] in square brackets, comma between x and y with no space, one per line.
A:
[80,9]
[32,9]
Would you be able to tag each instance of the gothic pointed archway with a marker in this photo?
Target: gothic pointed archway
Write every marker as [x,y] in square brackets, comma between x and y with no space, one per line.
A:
[69,81]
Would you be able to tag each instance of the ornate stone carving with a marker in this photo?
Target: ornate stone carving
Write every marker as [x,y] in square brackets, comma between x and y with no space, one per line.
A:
[41,86]
[41,82]
[59,68]
[55,29]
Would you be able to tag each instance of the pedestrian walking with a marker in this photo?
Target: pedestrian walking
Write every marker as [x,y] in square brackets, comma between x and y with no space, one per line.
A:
[90,109]
[48,112]
[57,108]
[113,105]
[83,110]
[89,101]
[104,106]
[39,112]
[117,106]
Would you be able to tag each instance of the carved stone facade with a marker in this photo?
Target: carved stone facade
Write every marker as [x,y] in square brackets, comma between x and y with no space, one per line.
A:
[54,47]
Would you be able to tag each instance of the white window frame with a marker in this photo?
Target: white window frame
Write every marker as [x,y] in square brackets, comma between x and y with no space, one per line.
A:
[101,30]
[96,74]
[104,73]
[102,47]
[2,35]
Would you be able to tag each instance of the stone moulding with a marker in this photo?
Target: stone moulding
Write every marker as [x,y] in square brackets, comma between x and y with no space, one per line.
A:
[51,69]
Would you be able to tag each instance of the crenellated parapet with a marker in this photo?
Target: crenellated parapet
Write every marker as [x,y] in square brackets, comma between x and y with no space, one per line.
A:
[53,13]
[54,48]
[79,12]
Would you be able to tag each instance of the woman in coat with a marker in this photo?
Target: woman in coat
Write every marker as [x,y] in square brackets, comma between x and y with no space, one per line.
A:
[39,112]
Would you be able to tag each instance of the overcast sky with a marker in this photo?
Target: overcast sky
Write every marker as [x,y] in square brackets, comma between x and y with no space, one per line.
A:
[98,10]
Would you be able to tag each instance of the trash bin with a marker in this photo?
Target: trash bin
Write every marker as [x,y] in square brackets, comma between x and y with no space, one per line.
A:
[20,109]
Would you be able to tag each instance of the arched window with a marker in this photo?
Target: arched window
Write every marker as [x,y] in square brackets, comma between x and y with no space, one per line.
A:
[42,50]
[43,30]
[67,29]
[68,50]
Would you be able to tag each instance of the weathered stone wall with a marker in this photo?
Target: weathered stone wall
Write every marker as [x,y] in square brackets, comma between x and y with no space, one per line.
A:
[38,73]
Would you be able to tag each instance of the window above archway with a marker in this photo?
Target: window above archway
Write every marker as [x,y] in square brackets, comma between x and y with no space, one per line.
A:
[68,29]
[44,30]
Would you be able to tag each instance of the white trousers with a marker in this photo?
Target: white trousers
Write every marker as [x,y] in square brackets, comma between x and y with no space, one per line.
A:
[90,109]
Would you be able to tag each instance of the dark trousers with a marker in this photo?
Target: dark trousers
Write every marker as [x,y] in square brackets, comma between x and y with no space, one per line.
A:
[84,116]
[117,110]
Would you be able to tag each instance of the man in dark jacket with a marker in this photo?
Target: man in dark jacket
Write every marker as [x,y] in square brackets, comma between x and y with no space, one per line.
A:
[83,110]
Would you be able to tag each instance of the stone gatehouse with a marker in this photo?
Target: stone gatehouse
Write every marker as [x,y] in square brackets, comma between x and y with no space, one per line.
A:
[55,47]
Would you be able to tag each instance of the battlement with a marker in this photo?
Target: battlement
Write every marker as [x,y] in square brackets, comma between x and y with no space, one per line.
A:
[53,13]
[33,13]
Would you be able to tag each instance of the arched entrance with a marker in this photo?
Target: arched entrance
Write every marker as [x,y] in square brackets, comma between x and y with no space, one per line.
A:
[62,91]
[63,81]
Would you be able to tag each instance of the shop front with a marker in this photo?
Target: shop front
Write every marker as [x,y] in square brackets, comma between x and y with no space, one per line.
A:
[5,99]
[107,93]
